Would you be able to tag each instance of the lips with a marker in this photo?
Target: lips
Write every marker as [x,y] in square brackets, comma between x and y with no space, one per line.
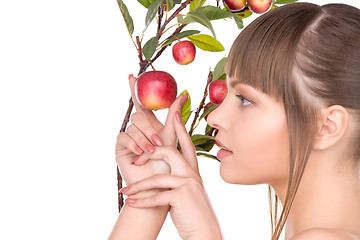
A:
[220,145]
[223,152]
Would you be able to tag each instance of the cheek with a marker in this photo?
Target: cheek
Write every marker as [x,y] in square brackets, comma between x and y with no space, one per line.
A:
[261,152]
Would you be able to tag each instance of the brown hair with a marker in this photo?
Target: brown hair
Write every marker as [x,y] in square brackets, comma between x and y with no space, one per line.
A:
[297,53]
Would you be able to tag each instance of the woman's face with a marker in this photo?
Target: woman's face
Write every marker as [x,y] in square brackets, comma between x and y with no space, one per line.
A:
[252,127]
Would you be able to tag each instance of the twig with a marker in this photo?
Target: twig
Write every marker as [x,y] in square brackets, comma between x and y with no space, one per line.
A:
[144,64]
[173,15]
[201,105]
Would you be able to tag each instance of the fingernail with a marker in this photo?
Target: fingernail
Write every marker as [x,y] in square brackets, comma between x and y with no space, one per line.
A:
[130,200]
[178,117]
[138,150]
[157,140]
[135,159]
[124,190]
[185,97]
[149,148]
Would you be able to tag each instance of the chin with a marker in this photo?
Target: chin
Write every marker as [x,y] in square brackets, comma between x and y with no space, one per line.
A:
[230,175]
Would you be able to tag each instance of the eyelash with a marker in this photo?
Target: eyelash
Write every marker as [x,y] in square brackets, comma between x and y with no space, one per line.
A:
[244,99]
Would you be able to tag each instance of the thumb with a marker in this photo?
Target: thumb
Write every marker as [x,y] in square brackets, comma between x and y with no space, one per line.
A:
[175,107]
[169,123]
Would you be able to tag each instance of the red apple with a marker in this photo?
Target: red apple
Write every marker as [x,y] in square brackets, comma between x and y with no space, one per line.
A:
[236,5]
[184,52]
[259,6]
[156,90]
[217,91]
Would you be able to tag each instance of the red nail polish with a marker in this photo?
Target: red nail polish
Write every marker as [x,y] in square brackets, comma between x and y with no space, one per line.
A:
[124,190]
[138,150]
[149,148]
[130,200]
[135,159]
[178,117]
[157,140]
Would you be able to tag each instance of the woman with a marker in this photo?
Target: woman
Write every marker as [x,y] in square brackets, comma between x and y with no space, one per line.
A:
[290,120]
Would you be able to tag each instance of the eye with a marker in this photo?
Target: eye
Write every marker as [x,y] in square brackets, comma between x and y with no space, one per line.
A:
[244,101]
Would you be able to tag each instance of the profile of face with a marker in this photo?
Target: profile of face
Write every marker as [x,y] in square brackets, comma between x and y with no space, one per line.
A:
[252,126]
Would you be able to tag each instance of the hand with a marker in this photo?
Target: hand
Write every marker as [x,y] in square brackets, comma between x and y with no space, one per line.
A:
[145,132]
[190,207]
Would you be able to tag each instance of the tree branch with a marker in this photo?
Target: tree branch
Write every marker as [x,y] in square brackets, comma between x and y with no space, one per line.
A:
[201,105]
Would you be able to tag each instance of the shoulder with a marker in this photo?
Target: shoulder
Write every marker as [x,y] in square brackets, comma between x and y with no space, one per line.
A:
[325,234]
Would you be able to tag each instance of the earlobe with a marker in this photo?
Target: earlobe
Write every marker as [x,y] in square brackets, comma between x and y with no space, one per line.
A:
[332,126]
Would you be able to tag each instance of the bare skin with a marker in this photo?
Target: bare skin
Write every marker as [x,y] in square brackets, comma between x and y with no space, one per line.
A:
[254,136]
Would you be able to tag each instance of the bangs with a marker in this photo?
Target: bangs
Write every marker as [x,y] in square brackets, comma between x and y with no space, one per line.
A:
[263,54]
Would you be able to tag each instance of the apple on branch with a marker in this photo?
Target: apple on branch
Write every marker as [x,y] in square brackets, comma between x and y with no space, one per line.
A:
[259,6]
[156,90]
[236,5]
[184,52]
[217,91]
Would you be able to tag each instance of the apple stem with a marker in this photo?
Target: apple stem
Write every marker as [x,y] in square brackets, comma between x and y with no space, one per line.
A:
[201,105]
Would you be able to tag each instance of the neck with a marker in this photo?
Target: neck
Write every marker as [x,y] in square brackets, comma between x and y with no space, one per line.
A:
[328,197]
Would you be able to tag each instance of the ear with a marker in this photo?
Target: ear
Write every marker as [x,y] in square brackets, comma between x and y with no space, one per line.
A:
[333,124]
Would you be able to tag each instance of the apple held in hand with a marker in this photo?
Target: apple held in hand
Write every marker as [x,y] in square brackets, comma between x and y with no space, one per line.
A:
[259,6]
[217,91]
[236,5]
[156,90]
[184,52]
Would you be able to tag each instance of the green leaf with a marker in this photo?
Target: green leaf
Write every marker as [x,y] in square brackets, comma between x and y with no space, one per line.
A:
[208,111]
[169,4]
[214,13]
[179,36]
[219,69]
[186,108]
[206,147]
[207,155]
[285,1]
[196,4]
[208,128]
[146,3]
[206,43]
[199,139]
[151,13]
[199,18]
[238,21]
[244,14]
[150,47]
[126,15]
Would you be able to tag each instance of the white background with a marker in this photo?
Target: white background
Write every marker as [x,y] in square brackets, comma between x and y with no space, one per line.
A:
[63,95]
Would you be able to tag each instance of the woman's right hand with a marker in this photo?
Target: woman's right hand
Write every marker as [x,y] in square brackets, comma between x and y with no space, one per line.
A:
[145,132]
[182,190]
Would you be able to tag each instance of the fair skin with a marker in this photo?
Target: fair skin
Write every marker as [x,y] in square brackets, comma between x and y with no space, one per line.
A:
[253,130]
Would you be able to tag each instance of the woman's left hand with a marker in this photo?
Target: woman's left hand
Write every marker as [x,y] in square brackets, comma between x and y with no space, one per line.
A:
[182,190]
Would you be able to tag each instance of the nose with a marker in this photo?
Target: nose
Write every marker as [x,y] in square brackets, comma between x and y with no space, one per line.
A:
[217,118]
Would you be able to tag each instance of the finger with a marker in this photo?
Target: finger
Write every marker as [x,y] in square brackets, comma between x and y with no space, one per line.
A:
[160,199]
[178,165]
[132,82]
[124,141]
[158,181]
[187,147]
[141,122]
[156,123]
[134,133]
[175,107]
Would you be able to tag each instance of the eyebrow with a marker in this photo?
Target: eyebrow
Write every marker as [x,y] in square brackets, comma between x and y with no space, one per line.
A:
[234,83]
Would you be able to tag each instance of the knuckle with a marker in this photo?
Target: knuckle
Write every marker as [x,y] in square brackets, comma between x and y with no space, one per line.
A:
[130,128]
[171,149]
[121,135]
[192,184]
[134,117]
